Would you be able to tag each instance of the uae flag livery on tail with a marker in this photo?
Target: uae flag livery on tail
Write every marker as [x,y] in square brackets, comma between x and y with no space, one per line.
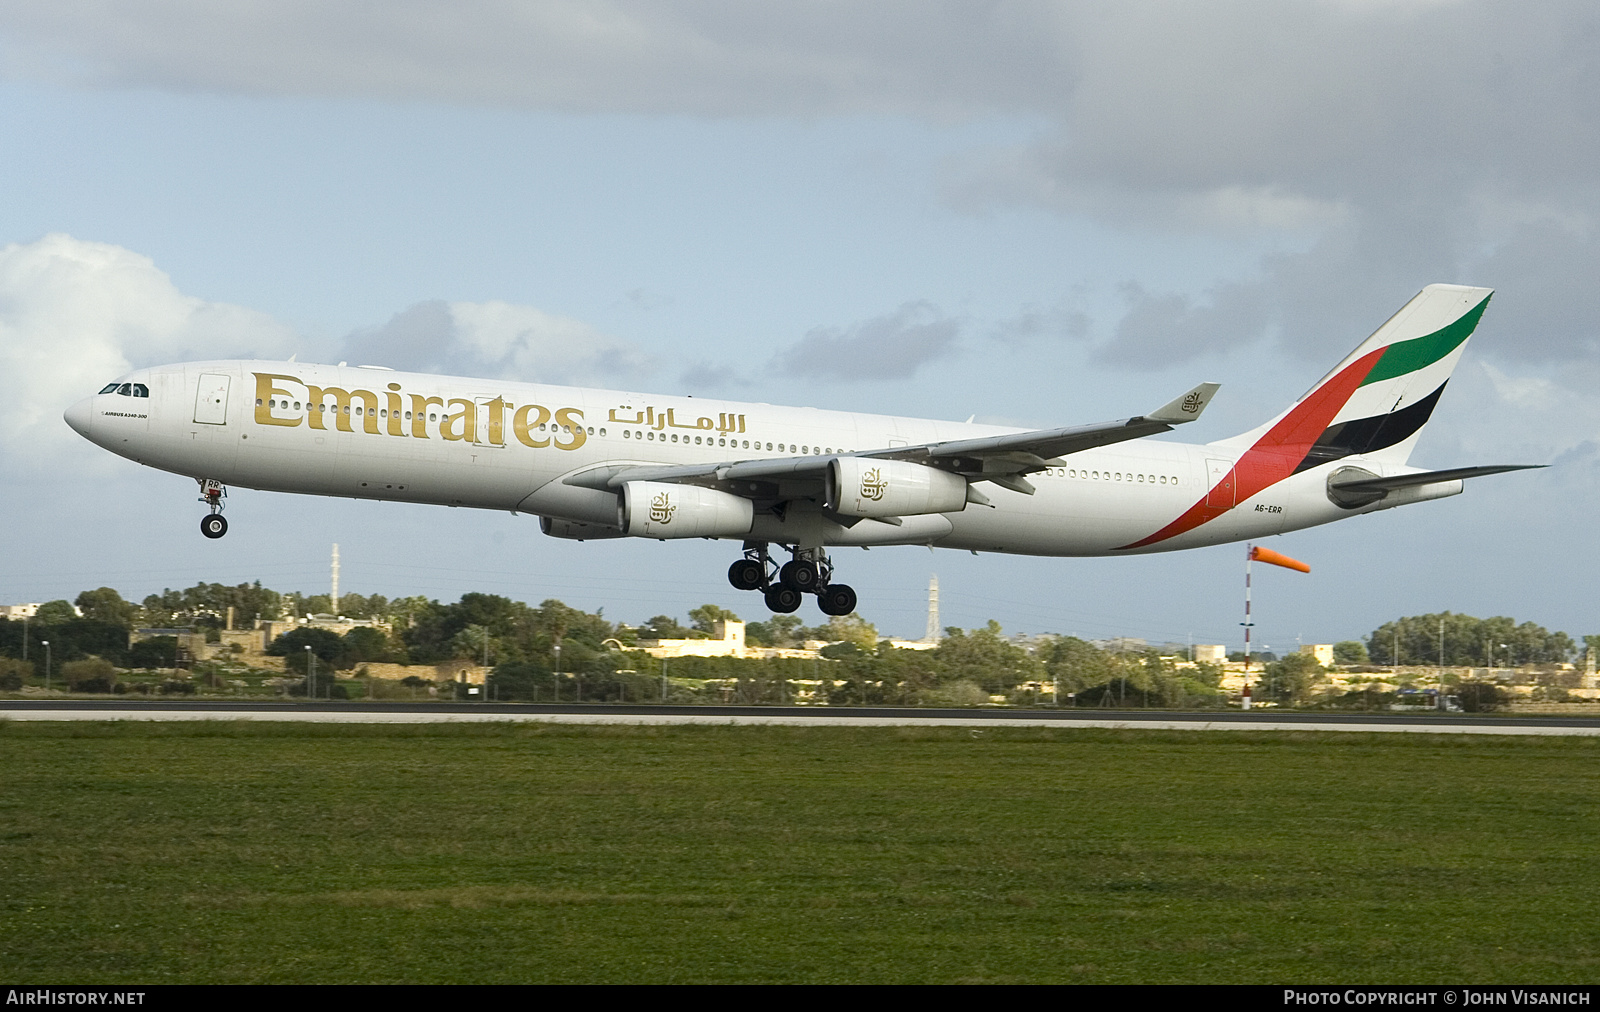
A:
[1373,404]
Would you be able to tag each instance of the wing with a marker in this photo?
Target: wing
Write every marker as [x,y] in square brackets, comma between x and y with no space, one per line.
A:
[1003,460]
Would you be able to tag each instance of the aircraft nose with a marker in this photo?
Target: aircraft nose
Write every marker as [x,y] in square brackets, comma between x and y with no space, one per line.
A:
[78,417]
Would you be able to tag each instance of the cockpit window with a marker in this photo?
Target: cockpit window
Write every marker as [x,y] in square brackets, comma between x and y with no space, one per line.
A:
[125,390]
[140,390]
[109,388]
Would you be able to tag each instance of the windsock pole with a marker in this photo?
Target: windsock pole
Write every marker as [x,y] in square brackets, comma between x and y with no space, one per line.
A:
[1249,556]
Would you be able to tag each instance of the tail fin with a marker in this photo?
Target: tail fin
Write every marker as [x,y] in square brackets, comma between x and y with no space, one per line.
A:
[1373,403]
[1377,400]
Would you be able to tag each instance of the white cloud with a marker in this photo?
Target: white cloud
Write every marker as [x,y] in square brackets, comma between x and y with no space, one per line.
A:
[75,314]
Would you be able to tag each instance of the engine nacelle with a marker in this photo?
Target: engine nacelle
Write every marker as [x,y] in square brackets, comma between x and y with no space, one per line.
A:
[658,509]
[863,487]
[574,530]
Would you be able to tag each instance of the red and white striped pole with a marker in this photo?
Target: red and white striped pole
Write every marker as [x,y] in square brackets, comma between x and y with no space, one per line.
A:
[1249,556]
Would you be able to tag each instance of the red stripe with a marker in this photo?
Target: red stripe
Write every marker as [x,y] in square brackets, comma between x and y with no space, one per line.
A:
[1276,454]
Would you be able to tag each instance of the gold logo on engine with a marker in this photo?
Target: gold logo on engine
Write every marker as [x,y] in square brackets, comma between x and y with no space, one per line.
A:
[661,508]
[873,485]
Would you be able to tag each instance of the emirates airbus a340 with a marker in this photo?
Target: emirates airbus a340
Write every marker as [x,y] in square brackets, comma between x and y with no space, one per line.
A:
[595,464]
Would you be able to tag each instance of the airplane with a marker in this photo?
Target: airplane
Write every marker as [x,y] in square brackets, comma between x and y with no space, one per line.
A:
[596,464]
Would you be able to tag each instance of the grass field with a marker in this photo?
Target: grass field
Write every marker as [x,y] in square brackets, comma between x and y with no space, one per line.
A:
[149,853]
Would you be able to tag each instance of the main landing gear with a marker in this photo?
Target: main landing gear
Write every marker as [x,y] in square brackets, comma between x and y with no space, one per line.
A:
[212,492]
[809,572]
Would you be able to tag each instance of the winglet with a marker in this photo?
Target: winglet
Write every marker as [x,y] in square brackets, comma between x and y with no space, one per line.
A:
[1187,407]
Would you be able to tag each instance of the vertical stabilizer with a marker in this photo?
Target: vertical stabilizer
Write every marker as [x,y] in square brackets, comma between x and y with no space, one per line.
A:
[1377,400]
[1374,404]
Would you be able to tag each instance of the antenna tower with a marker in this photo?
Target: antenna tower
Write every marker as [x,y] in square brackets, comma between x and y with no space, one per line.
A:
[333,602]
[932,635]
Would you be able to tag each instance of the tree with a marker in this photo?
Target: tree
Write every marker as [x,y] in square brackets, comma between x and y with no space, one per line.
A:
[852,629]
[12,673]
[521,681]
[106,605]
[474,643]
[1466,641]
[207,604]
[364,643]
[1292,679]
[986,658]
[706,617]
[328,646]
[663,627]
[778,631]
[55,613]
[92,674]
[1479,697]
[155,652]
[1350,652]
[1076,664]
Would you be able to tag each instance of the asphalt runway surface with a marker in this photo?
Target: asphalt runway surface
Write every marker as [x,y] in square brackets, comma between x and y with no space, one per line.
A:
[861,716]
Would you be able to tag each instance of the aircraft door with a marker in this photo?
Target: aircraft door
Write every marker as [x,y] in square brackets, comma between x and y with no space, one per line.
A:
[1220,481]
[211,402]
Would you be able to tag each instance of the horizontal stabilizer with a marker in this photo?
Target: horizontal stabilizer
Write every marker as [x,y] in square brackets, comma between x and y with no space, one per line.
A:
[1425,477]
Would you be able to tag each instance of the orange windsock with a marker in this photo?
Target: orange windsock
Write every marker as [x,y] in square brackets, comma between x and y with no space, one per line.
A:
[1260,554]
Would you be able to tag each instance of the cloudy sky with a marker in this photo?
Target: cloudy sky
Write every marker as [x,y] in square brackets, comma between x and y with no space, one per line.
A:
[1039,213]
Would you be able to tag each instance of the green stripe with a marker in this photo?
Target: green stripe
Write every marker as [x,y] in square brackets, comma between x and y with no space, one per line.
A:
[1408,356]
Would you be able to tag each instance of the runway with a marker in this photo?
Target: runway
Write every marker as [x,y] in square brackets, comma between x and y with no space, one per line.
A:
[859,716]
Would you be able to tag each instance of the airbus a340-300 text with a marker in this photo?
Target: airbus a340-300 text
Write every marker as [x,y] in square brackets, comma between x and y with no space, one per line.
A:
[596,464]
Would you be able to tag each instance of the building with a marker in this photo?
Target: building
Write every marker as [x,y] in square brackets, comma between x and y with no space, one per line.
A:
[729,642]
[1210,653]
[18,612]
[1323,652]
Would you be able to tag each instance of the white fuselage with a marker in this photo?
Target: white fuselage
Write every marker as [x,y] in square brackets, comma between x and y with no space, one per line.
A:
[372,433]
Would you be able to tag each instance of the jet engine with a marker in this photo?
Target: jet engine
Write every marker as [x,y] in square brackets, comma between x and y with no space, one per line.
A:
[863,487]
[574,530]
[656,509]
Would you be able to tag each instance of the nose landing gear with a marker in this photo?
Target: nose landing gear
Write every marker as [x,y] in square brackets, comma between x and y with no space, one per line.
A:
[212,492]
[809,572]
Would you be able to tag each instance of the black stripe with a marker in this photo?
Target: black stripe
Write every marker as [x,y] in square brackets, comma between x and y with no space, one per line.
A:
[1369,435]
